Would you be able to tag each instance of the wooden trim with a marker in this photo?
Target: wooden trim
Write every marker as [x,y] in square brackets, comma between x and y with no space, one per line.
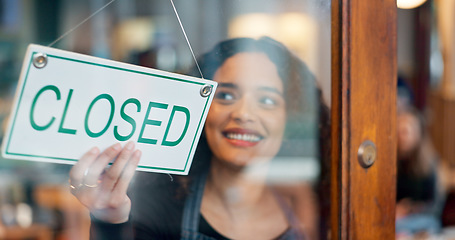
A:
[336,112]
[364,76]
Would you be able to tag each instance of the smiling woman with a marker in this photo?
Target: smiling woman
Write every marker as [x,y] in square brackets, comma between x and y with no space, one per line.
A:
[247,118]
[227,194]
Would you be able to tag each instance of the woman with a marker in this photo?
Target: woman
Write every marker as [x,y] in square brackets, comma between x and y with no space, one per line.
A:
[219,199]
[418,193]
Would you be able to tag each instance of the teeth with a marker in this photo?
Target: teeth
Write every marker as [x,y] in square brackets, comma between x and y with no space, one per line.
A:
[243,137]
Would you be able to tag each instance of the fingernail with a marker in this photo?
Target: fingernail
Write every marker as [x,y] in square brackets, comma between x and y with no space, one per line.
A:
[138,153]
[94,150]
[117,146]
[129,145]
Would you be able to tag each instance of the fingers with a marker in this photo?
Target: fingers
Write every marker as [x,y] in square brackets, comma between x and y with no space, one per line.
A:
[101,190]
[88,170]
[78,170]
[117,194]
[128,173]
[97,167]
[113,174]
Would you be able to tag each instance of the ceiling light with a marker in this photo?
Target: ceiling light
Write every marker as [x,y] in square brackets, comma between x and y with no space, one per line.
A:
[408,4]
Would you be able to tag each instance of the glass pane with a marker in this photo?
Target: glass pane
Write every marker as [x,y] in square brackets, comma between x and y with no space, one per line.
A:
[260,170]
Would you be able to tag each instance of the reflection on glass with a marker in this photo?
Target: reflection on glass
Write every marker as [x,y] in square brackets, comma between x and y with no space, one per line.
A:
[260,170]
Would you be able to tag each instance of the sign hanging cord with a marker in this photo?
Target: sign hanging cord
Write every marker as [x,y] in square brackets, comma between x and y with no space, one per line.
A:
[109,3]
[82,22]
[186,38]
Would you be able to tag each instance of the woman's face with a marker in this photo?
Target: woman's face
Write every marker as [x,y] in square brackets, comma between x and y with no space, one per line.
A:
[247,118]
[409,133]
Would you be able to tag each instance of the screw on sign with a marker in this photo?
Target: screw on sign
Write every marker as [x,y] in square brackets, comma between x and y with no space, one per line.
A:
[206,90]
[39,60]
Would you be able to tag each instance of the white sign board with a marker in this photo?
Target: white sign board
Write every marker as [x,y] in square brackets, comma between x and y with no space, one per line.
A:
[67,103]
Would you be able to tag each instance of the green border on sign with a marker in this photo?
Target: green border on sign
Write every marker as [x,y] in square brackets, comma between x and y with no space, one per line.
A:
[111,67]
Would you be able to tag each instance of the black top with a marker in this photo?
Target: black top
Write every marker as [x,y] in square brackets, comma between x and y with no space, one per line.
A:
[416,188]
[157,213]
[206,229]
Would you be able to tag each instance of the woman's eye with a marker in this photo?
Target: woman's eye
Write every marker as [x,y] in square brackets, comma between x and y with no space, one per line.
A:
[268,101]
[224,96]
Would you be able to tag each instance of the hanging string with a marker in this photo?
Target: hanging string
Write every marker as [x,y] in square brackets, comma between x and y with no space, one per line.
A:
[172,179]
[109,3]
[78,25]
[187,41]
[191,49]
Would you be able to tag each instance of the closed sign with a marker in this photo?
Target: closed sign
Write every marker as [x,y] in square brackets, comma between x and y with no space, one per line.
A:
[67,103]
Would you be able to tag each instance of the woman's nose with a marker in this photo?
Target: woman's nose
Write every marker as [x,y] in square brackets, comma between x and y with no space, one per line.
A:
[244,111]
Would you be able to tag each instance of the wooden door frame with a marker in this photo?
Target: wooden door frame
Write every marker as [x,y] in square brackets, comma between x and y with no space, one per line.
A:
[364,73]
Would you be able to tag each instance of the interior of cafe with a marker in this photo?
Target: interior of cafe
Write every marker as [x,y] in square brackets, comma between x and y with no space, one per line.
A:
[35,196]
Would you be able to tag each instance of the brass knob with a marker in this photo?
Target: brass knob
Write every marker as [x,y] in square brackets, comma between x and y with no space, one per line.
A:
[367,153]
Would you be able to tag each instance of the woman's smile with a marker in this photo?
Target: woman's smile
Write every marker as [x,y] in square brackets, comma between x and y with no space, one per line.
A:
[242,137]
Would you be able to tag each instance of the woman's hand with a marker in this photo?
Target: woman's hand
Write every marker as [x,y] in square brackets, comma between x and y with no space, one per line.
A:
[101,189]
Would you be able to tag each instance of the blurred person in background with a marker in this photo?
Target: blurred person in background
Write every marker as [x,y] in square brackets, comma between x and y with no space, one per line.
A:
[418,191]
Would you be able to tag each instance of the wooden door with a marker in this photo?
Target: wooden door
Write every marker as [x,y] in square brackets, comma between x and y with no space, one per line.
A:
[364,72]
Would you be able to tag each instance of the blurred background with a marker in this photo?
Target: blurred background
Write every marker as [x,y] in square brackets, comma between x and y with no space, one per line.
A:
[34,197]
[426,94]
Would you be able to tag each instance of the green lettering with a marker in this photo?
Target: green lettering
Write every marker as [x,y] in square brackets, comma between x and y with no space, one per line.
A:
[147,121]
[187,114]
[128,119]
[111,101]
[60,128]
[32,110]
